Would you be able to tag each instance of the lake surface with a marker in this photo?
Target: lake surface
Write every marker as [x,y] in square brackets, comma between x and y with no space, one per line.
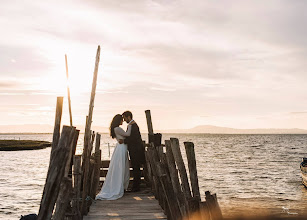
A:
[249,173]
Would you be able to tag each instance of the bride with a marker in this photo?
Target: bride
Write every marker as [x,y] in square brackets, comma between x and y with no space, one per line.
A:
[118,175]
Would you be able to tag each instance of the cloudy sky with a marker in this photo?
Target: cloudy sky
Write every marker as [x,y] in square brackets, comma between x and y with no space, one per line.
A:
[238,64]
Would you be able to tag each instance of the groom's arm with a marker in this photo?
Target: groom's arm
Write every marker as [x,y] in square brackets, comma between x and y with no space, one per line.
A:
[129,140]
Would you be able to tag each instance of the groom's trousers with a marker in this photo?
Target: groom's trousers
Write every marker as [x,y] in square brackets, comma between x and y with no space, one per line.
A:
[136,174]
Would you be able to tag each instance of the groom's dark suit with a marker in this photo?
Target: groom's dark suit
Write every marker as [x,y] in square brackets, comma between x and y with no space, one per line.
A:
[136,152]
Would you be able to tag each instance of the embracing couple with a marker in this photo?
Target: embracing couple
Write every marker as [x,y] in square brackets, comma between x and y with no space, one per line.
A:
[117,179]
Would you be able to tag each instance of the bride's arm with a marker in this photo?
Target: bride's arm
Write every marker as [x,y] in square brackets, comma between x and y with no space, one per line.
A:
[121,131]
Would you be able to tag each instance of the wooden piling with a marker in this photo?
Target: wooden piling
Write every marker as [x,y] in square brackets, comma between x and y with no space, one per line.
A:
[87,136]
[189,148]
[76,187]
[174,177]
[63,198]
[213,206]
[149,122]
[181,167]
[97,164]
[57,124]
[65,193]
[55,173]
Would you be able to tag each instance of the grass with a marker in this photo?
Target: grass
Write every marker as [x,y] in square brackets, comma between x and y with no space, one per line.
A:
[14,145]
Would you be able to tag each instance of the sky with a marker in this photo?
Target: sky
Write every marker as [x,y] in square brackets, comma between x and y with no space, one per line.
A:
[239,64]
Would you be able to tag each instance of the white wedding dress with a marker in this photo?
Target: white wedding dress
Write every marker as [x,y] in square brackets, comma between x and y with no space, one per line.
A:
[118,175]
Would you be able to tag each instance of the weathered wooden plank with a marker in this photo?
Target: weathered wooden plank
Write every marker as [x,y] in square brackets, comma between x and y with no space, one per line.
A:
[136,205]
[106,164]
[103,173]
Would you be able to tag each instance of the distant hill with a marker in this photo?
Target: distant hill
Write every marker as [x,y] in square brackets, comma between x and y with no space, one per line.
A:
[209,129]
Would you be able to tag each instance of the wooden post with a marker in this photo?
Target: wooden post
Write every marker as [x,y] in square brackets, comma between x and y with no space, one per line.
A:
[214,209]
[97,164]
[63,198]
[65,191]
[174,177]
[149,122]
[77,187]
[189,148]
[168,192]
[182,170]
[71,153]
[87,134]
[68,92]
[149,173]
[57,124]
[55,173]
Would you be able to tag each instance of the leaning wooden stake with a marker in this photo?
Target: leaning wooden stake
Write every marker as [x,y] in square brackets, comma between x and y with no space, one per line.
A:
[182,170]
[55,173]
[65,193]
[68,92]
[87,135]
[189,148]
[174,177]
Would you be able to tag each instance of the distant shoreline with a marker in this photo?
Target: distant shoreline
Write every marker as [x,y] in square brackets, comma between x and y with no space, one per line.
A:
[17,145]
[29,133]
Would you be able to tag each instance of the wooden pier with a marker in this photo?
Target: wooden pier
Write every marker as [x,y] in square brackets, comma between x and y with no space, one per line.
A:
[133,205]
[168,190]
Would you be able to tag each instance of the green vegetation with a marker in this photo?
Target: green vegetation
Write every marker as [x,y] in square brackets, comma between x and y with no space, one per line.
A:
[14,145]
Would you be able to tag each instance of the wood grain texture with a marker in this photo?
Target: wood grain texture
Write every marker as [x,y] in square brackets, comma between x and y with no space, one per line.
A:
[136,205]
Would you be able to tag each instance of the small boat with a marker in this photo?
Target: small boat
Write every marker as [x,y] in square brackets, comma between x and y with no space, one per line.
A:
[303,167]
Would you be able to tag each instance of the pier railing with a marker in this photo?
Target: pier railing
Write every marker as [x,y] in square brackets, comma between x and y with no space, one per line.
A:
[178,195]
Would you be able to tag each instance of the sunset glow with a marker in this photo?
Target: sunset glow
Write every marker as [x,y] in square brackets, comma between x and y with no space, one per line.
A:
[241,65]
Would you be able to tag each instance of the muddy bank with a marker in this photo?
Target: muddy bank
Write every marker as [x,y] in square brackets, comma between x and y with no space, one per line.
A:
[15,145]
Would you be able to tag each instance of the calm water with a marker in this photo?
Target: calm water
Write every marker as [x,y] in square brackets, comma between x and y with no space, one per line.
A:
[248,172]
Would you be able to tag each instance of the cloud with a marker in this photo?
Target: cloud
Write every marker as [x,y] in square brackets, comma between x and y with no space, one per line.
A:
[21,61]
[298,113]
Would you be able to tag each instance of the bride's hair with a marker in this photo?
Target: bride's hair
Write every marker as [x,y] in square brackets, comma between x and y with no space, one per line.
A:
[115,123]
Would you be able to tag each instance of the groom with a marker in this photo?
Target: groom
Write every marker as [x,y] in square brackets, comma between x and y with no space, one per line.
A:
[136,150]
